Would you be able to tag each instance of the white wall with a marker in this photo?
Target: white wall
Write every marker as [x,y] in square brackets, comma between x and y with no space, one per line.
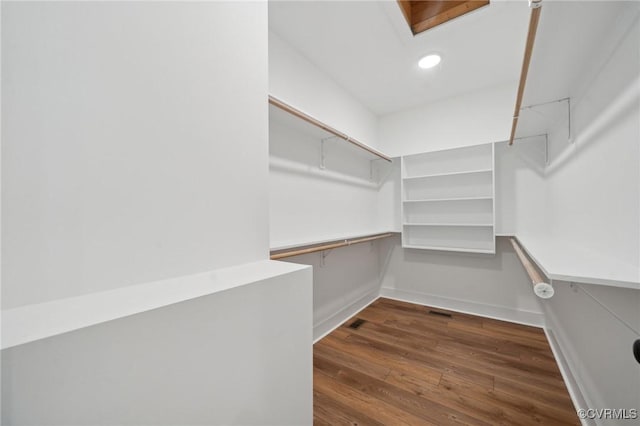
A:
[520,173]
[470,119]
[594,180]
[591,192]
[239,357]
[489,285]
[389,199]
[307,203]
[134,148]
[598,347]
[345,281]
[126,152]
[590,189]
[297,81]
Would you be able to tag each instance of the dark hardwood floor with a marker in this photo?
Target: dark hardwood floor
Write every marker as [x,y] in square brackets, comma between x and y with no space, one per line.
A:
[404,365]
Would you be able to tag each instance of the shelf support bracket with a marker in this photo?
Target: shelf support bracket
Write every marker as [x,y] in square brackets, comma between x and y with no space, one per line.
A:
[323,256]
[372,164]
[322,154]
[569,120]
[568,101]
[546,149]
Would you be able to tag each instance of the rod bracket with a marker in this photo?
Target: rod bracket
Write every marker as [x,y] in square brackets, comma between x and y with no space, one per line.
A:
[323,256]
[535,4]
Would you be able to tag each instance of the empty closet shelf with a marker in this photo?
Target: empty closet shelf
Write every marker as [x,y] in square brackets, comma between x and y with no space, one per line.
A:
[489,225]
[435,175]
[565,261]
[455,249]
[437,200]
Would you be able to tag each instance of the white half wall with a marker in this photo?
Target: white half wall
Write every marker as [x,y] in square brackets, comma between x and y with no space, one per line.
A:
[295,80]
[242,356]
[126,154]
[470,119]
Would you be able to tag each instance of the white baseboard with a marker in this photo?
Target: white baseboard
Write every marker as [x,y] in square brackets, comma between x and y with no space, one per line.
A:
[569,379]
[535,319]
[327,326]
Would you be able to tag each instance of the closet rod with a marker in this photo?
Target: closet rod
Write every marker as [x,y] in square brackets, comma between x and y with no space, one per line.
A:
[541,288]
[291,110]
[536,7]
[533,273]
[296,251]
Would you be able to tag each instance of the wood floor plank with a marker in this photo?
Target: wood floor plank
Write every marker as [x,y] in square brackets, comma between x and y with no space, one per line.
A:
[404,365]
[361,401]
[432,359]
[384,359]
[333,412]
[517,408]
[378,370]
[428,410]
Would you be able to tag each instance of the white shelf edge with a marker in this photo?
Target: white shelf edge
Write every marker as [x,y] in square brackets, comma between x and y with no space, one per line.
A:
[328,240]
[299,114]
[479,225]
[29,323]
[433,200]
[577,277]
[456,249]
[466,172]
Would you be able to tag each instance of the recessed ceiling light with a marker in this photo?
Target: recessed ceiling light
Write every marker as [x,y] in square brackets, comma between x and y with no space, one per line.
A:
[429,61]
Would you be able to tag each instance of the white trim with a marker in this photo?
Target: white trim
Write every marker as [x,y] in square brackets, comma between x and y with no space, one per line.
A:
[326,326]
[569,379]
[535,319]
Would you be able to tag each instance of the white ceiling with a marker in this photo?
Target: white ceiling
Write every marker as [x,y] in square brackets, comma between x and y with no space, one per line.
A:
[368,49]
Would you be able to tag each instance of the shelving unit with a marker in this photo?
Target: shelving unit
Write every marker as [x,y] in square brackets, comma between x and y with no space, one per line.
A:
[448,200]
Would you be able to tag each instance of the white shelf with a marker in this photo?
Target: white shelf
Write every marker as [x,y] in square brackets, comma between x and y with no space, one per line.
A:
[486,225]
[436,175]
[287,245]
[34,322]
[457,249]
[564,261]
[437,200]
[459,185]
[448,162]
[454,237]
